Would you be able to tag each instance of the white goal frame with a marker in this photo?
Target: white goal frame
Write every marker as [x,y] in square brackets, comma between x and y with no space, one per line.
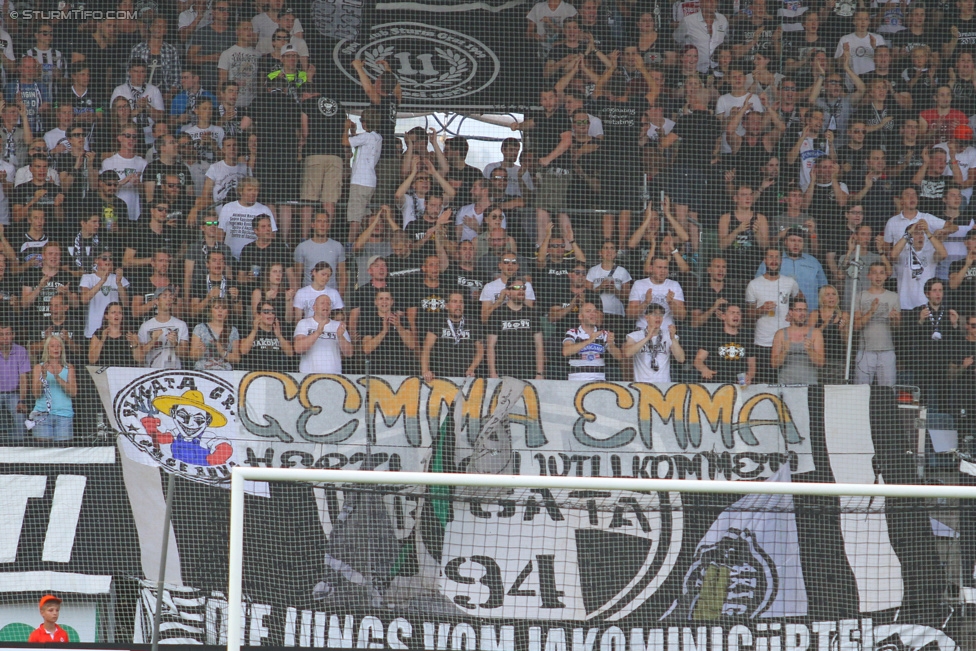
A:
[240,475]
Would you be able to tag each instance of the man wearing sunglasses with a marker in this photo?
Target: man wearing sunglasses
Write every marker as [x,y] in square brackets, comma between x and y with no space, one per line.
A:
[514,330]
[210,238]
[495,293]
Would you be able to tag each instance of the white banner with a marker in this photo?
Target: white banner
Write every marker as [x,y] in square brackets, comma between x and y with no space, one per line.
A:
[201,424]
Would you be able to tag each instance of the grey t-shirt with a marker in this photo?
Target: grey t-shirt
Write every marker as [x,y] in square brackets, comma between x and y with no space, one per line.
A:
[876,334]
[309,253]
[212,358]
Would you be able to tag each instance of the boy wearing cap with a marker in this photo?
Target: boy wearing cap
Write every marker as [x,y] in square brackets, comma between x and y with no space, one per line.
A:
[49,632]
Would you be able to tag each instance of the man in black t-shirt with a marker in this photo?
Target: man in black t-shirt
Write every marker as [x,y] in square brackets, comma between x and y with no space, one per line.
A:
[550,135]
[709,301]
[40,284]
[514,342]
[150,236]
[258,256]
[114,211]
[167,164]
[462,274]
[962,278]
[424,294]
[39,192]
[727,354]
[452,344]
[61,321]
[461,176]
[427,228]
[323,153]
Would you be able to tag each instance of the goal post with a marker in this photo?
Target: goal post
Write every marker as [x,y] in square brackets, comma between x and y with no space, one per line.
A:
[579,485]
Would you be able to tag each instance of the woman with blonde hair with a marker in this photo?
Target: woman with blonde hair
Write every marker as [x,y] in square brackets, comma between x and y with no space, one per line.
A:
[832,322]
[54,385]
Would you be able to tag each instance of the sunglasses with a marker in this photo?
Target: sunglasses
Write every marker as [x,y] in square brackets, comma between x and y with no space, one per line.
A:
[581,121]
[516,286]
[211,223]
[161,208]
[508,261]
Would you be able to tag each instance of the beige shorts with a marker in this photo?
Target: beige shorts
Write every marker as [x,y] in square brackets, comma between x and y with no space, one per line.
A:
[322,180]
[358,206]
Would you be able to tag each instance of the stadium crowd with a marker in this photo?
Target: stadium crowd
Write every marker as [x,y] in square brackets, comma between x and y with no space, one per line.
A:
[690,201]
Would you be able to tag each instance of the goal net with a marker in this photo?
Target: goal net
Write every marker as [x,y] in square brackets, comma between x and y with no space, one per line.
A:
[488,549]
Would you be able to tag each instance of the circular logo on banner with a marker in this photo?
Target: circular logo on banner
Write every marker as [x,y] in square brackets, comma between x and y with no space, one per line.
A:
[431,63]
[328,106]
[184,421]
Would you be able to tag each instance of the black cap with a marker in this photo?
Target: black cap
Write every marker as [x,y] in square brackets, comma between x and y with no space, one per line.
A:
[796,230]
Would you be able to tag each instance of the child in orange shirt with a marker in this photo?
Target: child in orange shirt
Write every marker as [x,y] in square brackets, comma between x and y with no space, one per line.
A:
[49,632]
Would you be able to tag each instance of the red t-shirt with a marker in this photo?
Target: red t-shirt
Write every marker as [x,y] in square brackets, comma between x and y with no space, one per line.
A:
[41,636]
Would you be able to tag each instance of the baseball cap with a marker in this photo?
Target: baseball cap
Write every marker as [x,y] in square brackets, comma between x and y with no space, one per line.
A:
[962,132]
[48,598]
[160,290]
[288,11]
[796,230]
[289,49]
[372,259]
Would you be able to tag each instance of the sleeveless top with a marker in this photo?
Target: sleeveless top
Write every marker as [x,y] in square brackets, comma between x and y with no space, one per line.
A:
[835,340]
[54,400]
[797,367]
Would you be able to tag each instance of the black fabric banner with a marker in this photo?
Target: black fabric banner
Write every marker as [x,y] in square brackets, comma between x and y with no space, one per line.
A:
[453,55]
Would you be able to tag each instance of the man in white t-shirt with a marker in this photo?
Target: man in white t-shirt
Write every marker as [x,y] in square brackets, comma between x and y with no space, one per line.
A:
[163,340]
[222,178]
[367,147]
[652,347]
[736,98]
[236,217]
[897,226]
[495,293]
[129,166]
[657,288]
[861,44]
[321,341]
[546,18]
[101,288]
[145,99]
[305,298]
[915,256]
[768,303]
[470,218]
